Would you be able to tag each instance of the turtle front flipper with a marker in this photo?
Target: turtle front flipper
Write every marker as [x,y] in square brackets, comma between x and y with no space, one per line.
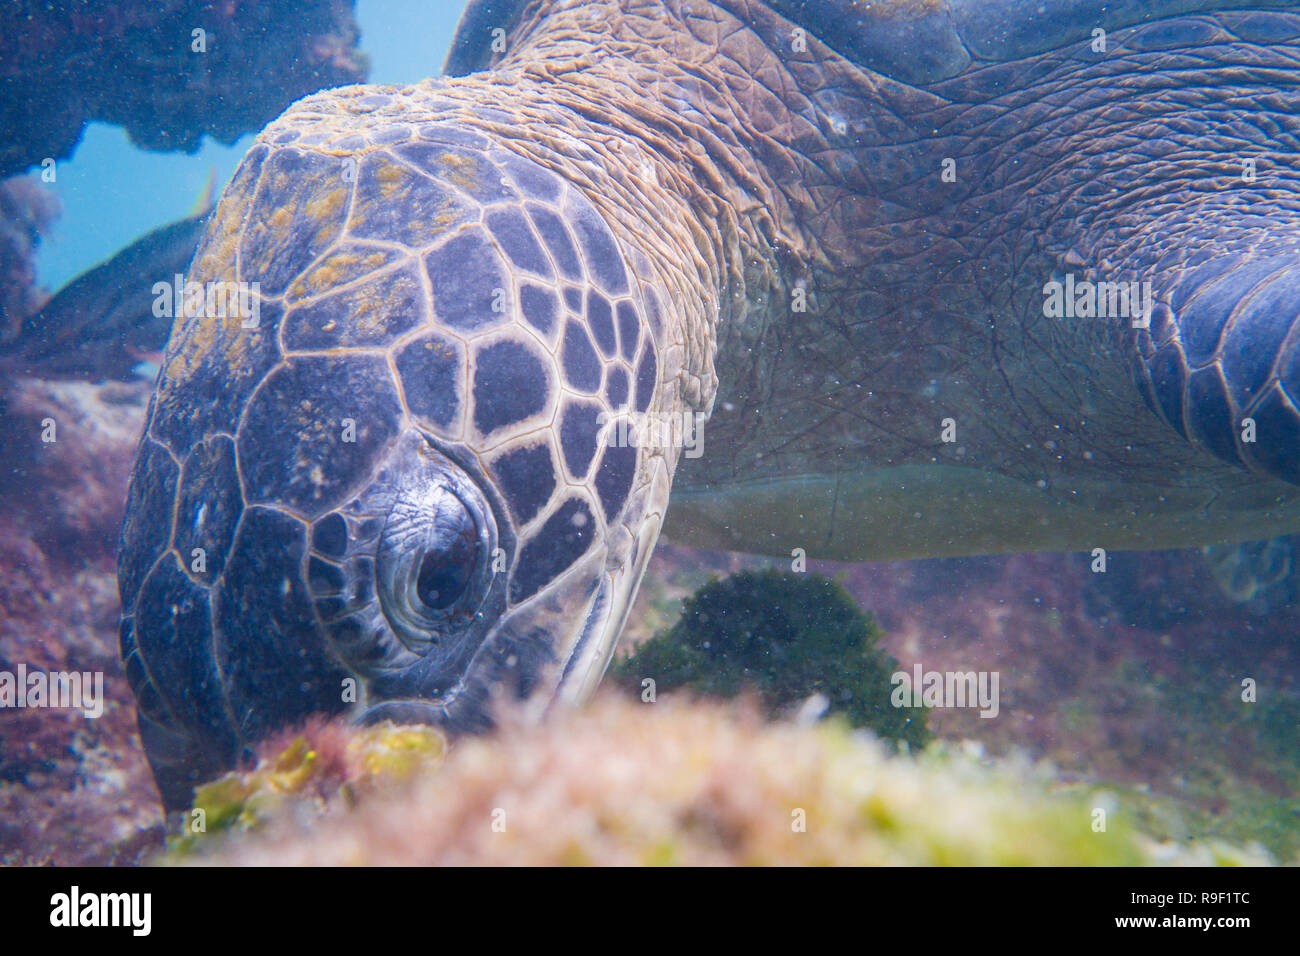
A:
[1220,361]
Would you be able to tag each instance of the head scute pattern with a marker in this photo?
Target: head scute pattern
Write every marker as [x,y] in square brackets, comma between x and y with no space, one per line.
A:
[404,452]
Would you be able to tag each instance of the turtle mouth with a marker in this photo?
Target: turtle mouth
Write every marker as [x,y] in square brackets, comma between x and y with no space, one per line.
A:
[575,683]
[604,622]
[409,711]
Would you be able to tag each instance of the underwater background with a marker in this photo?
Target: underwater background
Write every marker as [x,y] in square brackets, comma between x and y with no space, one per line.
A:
[1121,690]
[111,192]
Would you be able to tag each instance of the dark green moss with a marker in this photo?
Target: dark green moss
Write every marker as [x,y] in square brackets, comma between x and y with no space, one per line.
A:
[786,636]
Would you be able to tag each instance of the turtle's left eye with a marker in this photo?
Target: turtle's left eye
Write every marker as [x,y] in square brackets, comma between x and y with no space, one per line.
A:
[434,559]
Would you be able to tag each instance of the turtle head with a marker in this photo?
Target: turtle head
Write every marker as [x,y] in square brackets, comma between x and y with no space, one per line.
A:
[417,467]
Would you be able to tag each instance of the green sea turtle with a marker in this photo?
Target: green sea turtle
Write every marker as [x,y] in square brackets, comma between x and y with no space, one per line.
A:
[884,248]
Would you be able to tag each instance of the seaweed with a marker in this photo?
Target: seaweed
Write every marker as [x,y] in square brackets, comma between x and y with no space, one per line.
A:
[327,764]
[789,637]
[705,783]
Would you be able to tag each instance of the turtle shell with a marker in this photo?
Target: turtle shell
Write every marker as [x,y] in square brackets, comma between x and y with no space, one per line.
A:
[915,41]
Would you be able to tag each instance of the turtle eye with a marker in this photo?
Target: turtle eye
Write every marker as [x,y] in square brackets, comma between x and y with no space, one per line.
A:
[446,570]
[434,569]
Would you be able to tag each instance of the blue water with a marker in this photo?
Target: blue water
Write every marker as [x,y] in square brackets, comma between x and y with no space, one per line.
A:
[112,192]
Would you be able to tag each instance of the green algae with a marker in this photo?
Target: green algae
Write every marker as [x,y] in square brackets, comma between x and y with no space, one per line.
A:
[786,636]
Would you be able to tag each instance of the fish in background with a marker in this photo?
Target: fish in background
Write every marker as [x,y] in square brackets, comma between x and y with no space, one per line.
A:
[102,325]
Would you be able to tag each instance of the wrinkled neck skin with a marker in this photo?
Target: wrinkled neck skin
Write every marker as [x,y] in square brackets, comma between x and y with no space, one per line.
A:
[787,173]
[1118,165]
[855,262]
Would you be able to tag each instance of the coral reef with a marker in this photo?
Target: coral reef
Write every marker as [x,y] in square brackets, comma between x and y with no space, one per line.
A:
[687,783]
[786,636]
[136,65]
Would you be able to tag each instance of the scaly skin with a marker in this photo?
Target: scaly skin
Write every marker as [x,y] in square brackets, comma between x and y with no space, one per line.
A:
[924,297]
[1117,165]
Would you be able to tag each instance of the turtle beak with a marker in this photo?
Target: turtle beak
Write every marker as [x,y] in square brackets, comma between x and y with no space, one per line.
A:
[595,644]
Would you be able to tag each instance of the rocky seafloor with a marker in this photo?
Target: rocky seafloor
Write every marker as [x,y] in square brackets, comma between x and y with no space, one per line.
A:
[1119,691]
[72,789]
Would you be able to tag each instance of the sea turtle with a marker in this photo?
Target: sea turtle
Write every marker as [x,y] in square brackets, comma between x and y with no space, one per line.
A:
[883,248]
